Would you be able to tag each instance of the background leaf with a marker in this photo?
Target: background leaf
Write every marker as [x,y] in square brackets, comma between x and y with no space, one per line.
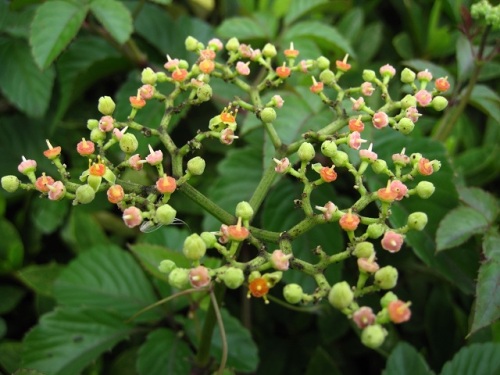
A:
[115,18]
[67,340]
[246,28]
[299,8]
[476,359]
[405,360]
[40,277]
[11,247]
[55,24]
[481,201]
[10,295]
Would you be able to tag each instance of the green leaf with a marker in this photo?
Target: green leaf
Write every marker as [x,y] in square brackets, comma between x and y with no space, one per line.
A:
[476,359]
[164,352]
[49,215]
[481,201]
[368,44]
[55,24]
[465,59]
[351,24]
[162,2]
[115,18]
[299,8]
[106,277]
[486,100]
[10,295]
[150,257]
[487,305]
[479,165]
[124,363]
[3,328]
[15,23]
[11,247]
[403,45]
[10,355]
[405,360]
[321,362]
[171,236]
[40,277]
[82,231]
[66,340]
[22,82]
[244,28]
[458,226]
[25,371]
[325,34]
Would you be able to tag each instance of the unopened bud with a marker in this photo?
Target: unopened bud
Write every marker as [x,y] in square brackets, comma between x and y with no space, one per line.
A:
[106,105]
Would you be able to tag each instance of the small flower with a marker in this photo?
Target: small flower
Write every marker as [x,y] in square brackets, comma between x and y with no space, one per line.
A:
[412,114]
[392,241]
[401,158]
[118,133]
[368,265]
[245,51]
[291,52]
[115,194]
[166,184]
[135,162]
[216,44]
[387,71]
[223,234]
[97,169]
[328,209]
[386,194]
[52,152]
[316,87]
[26,166]
[304,66]
[355,140]
[132,217]
[258,287]
[425,167]
[442,84]
[146,91]
[356,125]
[179,75]
[367,88]
[423,97]
[227,136]
[207,54]
[278,101]
[237,232]
[399,188]
[199,277]
[137,102]
[57,191]
[349,221]
[363,317]
[85,148]
[242,68]
[280,260]
[171,64]
[207,66]
[256,54]
[106,123]
[380,120]
[283,71]
[358,104]
[342,65]
[399,311]
[154,157]
[424,75]
[368,154]
[328,174]
[42,183]
[281,165]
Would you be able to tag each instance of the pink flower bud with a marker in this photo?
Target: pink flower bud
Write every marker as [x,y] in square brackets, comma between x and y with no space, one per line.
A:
[135,162]
[380,120]
[367,88]
[281,165]
[199,277]
[356,125]
[224,234]
[412,114]
[227,136]
[278,101]
[118,134]
[424,75]
[132,217]
[328,210]
[401,158]
[146,91]
[256,54]
[171,64]
[280,260]
[42,183]
[399,188]
[245,51]
[106,123]
[392,241]
[26,166]
[166,184]
[355,140]
[207,54]
[368,265]
[85,147]
[363,317]
[387,71]
[216,44]
[358,104]
[115,194]
[242,68]
[154,157]
[423,97]
[57,190]
[368,154]
[425,167]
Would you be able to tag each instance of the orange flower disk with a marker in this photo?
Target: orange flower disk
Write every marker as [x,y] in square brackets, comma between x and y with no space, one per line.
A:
[328,174]
[115,194]
[349,221]
[97,169]
[258,287]
[399,311]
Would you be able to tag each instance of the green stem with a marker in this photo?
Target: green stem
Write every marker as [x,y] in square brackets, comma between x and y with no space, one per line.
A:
[263,188]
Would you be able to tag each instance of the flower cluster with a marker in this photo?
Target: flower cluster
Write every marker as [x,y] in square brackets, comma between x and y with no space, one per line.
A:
[317,158]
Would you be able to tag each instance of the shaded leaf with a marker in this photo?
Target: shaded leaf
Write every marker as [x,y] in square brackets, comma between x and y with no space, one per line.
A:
[23,84]
[368,44]
[405,360]
[164,352]
[55,24]
[476,359]
[481,201]
[82,231]
[10,355]
[322,363]
[24,371]
[458,226]
[40,277]
[299,8]
[15,23]
[106,277]
[115,18]
[487,100]
[244,28]
[49,215]
[11,247]
[66,340]
[10,295]
[403,45]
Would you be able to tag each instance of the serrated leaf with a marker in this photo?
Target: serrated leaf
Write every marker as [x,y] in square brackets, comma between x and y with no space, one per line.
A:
[487,100]
[11,247]
[40,277]
[481,201]
[55,24]
[106,277]
[66,340]
[299,8]
[115,18]
[164,352]
[458,226]
[321,32]
[487,305]
[476,359]
[10,295]
[405,360]
[20,75]
[244,28]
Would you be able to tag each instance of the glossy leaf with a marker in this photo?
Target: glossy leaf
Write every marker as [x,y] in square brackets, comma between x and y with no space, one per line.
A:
[487,306]
[481,201]
[66,340]
[321,32]
[106,277]
[55,24]
[10,296]
[22,82]
[476,359]
[300,8]
[487,100]
[115,18]
[164,352]
[40,277]
[11,247]
[405,360]
[458,226]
